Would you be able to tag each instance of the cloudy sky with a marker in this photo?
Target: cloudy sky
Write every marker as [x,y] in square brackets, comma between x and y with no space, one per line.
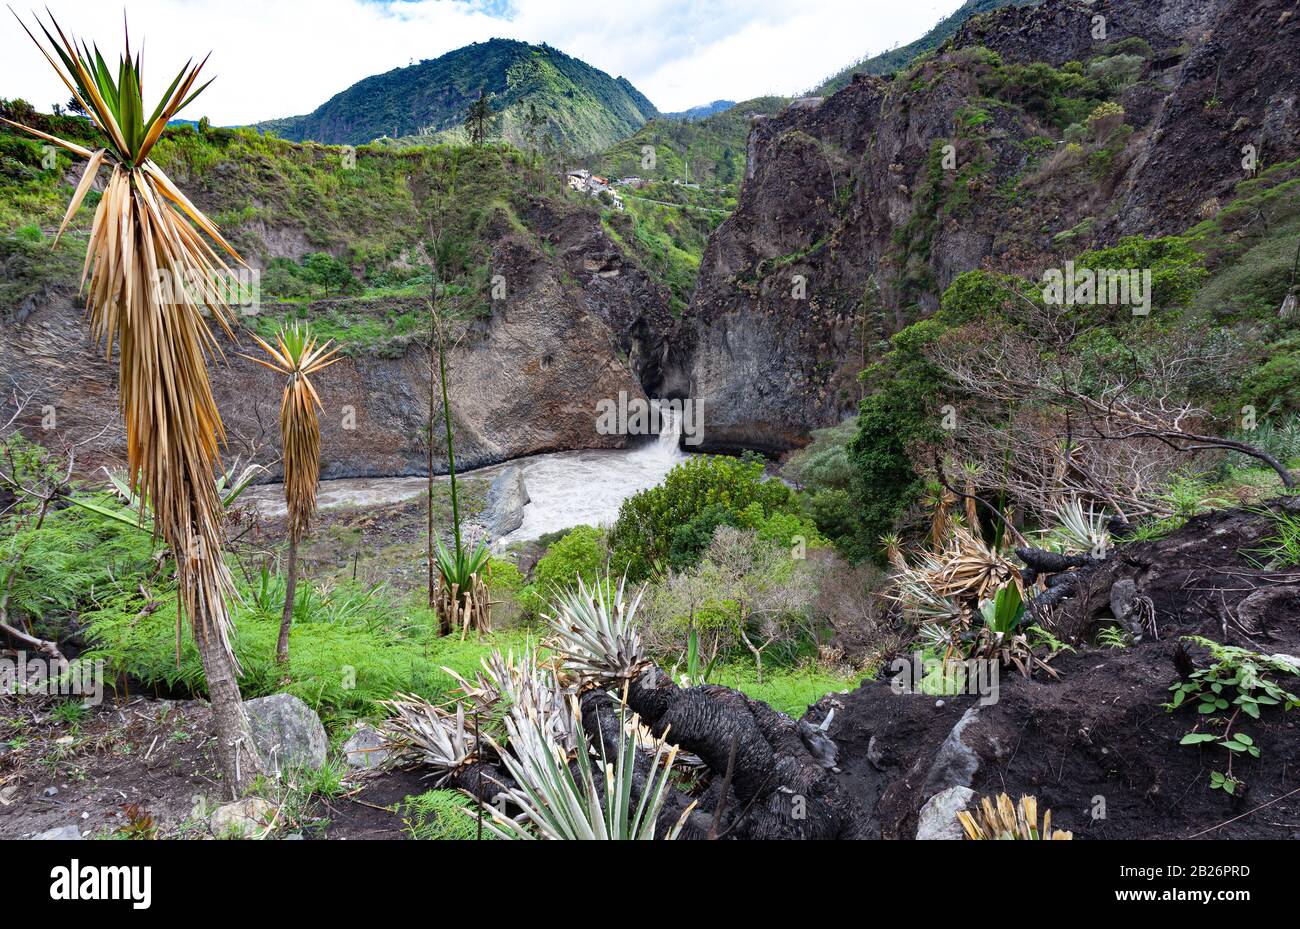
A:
[284,57]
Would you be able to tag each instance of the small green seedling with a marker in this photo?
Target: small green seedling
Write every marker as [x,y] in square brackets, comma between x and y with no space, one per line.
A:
[1238,682]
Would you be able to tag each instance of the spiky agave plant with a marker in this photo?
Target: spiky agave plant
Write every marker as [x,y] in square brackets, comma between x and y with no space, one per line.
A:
[1080,528]
[594,631]
[147,276]
[443,741]
[1008,821]
[580,799]
[297,355]
[521,688]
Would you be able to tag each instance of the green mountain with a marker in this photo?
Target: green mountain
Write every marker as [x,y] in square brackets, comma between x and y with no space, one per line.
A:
[580,109]
[898,58]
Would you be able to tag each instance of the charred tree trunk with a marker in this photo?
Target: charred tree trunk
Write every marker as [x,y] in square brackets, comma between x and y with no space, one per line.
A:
[779,788]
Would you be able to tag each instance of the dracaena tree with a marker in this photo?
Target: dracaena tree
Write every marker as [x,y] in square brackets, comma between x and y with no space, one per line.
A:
[153,265]
[297,355]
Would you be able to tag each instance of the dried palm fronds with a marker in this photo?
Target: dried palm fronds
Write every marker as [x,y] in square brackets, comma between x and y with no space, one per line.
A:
[1008,821]
[148,275]
[297,356]
[970,569]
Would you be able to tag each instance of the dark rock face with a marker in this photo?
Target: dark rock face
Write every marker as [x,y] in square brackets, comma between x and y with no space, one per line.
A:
[1229,95]
[576,326]
[849,196]
[1057,32]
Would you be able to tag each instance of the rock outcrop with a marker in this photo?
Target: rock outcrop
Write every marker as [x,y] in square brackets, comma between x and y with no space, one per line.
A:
[578,323]
[854,217]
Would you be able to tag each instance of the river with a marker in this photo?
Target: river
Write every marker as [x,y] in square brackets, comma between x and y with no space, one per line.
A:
[565,488]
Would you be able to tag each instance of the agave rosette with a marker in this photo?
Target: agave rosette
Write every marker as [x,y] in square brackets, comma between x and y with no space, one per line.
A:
[519,689]
[588,798]
[446,742]
[594,632]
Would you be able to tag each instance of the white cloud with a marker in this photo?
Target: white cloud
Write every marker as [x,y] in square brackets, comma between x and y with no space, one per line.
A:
[283,57]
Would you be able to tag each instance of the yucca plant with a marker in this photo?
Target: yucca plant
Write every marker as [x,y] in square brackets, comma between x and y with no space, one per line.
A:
[462,599]
[1010,821]
[297,355]
[567,799]
[148,275]
[594,631]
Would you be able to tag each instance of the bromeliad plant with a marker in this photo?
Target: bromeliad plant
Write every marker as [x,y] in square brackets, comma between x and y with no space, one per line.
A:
[594,631]
[297,356]
[148,276]
[1239,681]
[589,797]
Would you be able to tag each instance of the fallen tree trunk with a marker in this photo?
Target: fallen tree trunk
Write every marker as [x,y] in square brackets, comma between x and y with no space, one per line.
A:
[779,789]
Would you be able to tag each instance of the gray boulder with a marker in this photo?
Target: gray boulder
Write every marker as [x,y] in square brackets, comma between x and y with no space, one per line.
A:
[506,499]
[957,761]
[288,733]
[938,819]
[366,749]
[243,819]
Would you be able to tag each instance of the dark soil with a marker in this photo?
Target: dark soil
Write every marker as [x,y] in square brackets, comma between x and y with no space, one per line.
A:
[374,810]
[155,754]
[1096,746]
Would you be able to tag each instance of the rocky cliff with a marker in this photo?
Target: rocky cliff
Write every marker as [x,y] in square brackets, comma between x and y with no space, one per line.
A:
[855,215]
[578,323]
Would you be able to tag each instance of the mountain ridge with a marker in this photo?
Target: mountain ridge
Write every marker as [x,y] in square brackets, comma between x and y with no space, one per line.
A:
[581,108]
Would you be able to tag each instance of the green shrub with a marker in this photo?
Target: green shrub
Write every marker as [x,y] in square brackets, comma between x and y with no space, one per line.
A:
[824,462]
[1177,269]
[580,552]
[902,410]
[641,541]
[833,513]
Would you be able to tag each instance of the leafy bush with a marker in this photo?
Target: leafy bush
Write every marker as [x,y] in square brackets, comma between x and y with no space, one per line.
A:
[900,412]
[1177,269]
[642,538]
[579,553]
[824,463]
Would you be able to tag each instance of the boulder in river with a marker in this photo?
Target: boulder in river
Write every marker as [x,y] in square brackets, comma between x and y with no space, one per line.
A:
[506,500]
